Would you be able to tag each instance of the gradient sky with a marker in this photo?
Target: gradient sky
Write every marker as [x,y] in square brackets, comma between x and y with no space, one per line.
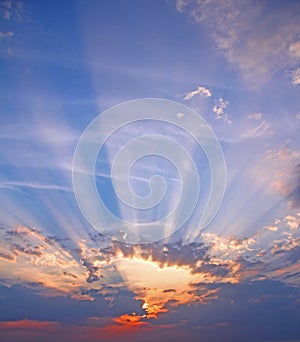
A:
[237,64]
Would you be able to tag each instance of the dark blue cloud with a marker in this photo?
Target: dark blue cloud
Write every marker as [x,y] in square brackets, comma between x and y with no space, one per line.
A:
[251,311]
[19,302]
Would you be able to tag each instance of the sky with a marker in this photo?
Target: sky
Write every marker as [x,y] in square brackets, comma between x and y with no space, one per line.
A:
[231,70]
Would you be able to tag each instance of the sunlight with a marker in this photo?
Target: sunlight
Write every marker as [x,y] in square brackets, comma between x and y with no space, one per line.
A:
[160,286]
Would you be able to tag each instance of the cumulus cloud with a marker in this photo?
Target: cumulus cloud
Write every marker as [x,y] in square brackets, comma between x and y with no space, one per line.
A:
[202,91]
[220,107]
[161,277]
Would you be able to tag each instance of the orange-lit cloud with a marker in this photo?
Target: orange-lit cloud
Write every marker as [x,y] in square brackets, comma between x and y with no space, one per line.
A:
[161,276]
[131,320]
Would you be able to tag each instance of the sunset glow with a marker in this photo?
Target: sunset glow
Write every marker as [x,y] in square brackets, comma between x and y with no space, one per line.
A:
[149,170]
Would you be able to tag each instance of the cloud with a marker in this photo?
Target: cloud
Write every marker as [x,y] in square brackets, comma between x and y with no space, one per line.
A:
[256,41]
[296,76]
[32,185]
[140,283]
[293,187]
[285,176]
[131,320]
[7,34]
[30,325]
[6,9]
[220,107]
[198,289]
[263,129]
[11,9]
[180,5]
[294,49]
[202,91]
[254,116]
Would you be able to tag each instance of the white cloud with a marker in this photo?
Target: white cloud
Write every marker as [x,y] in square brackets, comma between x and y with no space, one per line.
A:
[16,185]
[298,116]
[257,41]
[219,107]
[202,91]
[294,49]
[181,4]
[296,76]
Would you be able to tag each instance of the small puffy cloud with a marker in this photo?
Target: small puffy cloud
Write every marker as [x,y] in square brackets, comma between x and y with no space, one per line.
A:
[293,222]
[294,49]
[219,107]
[8,34]
[296,76]
[272,228]
[202,91]
[180,5]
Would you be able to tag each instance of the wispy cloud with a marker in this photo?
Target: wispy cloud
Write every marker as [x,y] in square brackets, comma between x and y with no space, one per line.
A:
[202,91]
[294,49]
[33,185]
[254,116]
[285,175]
[254,40]
[263,129]
[26,324]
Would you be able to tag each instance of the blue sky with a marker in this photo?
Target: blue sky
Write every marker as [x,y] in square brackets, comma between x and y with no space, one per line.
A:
[235,63]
